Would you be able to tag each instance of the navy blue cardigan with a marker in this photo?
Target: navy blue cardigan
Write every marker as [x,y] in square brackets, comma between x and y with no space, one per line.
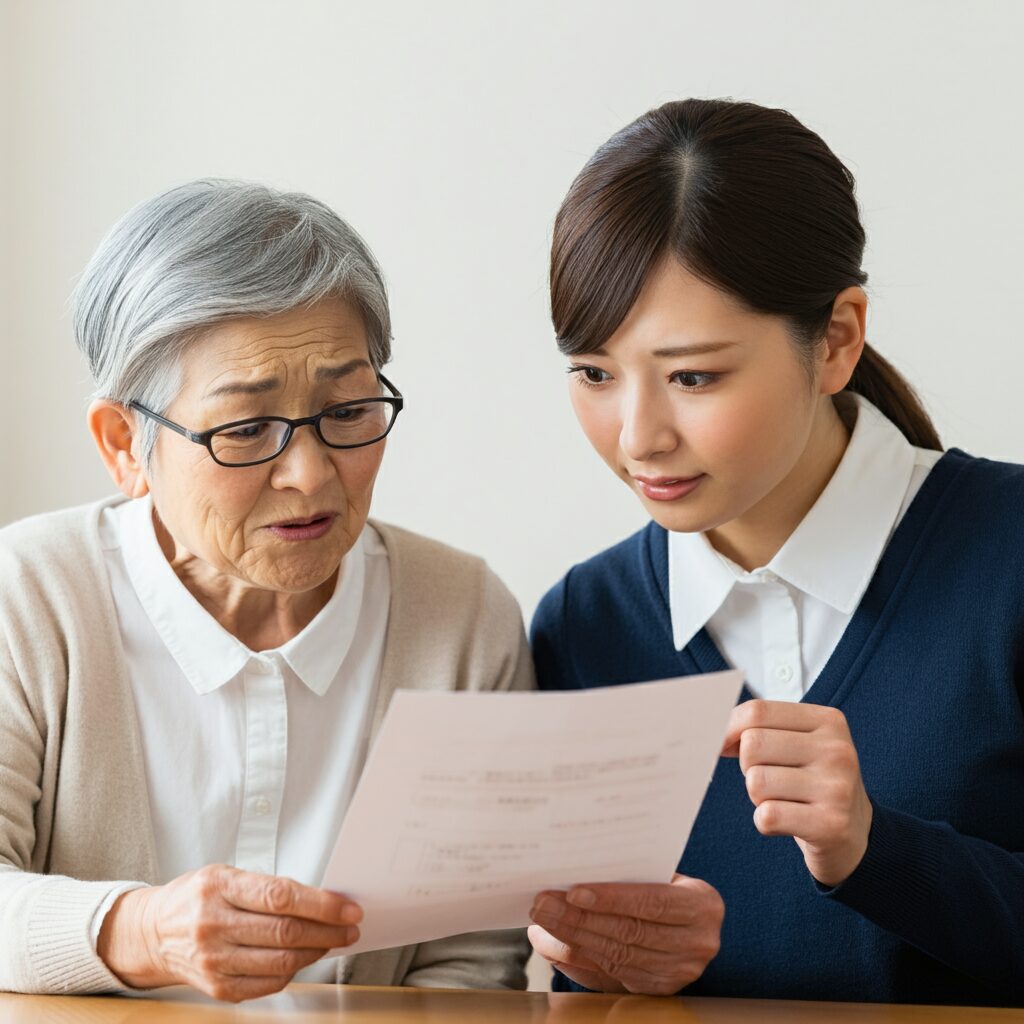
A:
[930,676]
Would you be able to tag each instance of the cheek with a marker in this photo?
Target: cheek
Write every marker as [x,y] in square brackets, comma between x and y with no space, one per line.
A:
[357,470]
[752,431]
[600,420]
[205,505]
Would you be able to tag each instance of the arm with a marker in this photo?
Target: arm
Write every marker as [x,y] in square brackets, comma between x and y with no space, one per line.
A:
[956,898]
[45,943]
[229,933]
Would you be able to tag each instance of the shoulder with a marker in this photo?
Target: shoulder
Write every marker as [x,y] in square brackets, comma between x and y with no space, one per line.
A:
[52,547]
[1000,481]
[440,580]
[623,572]
[588,627]
[980,502]
[453,624]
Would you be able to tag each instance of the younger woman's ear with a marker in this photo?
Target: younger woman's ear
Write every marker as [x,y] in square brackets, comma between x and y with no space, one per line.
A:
[844,339]
[113,429]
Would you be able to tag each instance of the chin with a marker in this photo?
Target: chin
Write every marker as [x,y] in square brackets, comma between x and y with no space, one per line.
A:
[676,518]
[300,576]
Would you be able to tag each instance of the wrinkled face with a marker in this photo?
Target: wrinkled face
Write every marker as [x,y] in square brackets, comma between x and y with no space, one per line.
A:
[700,406]
[235,519]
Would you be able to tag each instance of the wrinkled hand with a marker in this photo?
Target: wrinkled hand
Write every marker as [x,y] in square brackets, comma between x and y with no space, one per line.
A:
[803,776]
[622,937]
[232,934]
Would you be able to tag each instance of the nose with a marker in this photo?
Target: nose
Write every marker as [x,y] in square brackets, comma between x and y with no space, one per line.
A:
[648,427]
[305,465]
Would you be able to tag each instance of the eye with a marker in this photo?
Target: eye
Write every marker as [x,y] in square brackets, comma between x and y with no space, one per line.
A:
[589,376]
[247,431]
[346,415]
[690,380]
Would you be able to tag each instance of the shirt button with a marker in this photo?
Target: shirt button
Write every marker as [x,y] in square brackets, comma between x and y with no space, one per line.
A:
[261,805]
[784,673]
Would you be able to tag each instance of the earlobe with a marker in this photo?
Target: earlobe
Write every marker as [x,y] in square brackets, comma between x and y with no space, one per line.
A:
[844,339]
[113,429]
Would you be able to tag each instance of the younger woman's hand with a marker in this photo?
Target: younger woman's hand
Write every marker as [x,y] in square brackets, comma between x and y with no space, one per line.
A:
[803,776]
[232,934]
[621,937]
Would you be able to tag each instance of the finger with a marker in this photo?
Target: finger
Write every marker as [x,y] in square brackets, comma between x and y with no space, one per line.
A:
[774,746]
[270,932]
[774,714]
[270,894]
[249,961]
[802,821]
[235,990]
[640,982]
[592,977]
[610,954]
[549,911]
[679,902]
[772,782]
[558,953]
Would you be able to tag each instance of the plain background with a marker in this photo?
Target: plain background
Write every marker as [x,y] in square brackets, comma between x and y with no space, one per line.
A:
[447,133]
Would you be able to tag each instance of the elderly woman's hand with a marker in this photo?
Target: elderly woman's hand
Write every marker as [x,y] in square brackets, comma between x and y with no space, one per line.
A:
[232,934]
[619,937]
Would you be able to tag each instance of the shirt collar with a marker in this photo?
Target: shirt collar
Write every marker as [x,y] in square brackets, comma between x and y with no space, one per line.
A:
[207,654]
[699,581]
[833,552]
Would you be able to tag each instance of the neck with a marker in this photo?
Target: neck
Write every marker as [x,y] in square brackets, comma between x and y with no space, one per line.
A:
[260,619]
[753,539]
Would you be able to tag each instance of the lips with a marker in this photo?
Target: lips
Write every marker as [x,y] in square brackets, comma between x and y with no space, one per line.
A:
[303,522]
[307,528]
[667,488]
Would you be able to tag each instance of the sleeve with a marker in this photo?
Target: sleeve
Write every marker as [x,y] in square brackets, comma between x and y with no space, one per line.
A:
[45,920]
[494,959]
[475,960]
[956,898]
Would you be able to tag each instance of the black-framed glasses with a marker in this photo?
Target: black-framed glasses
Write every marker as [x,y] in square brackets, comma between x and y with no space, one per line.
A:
[249,442]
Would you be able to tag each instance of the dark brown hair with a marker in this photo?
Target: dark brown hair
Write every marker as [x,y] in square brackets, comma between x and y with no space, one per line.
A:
[747,199]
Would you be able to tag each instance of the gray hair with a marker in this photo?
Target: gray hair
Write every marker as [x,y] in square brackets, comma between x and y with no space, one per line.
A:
[202,253]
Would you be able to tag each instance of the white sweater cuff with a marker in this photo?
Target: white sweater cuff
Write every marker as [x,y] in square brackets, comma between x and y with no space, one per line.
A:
[61,949]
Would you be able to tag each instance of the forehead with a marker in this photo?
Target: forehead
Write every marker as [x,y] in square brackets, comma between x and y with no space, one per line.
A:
[676,304]
[290,345]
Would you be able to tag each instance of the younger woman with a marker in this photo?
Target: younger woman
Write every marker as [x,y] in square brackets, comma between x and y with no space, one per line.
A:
[863,833]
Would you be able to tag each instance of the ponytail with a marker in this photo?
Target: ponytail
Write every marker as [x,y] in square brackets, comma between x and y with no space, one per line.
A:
[877,380]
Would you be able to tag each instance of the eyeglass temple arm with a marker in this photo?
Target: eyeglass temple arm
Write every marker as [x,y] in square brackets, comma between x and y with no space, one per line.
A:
[170,424]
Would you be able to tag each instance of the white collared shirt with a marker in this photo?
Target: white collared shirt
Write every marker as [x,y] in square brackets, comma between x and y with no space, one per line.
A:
[780,623]
[251,758]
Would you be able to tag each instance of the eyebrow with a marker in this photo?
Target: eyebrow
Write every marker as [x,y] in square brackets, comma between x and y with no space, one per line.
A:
[700,349]
[259,387]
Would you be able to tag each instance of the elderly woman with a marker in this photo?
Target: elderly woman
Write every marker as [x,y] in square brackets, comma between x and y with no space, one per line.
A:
[191,672]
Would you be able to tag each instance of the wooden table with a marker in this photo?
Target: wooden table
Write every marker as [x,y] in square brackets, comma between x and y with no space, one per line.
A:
[317,1004]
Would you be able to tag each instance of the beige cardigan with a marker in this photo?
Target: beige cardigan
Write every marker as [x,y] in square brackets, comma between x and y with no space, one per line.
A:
[74,811]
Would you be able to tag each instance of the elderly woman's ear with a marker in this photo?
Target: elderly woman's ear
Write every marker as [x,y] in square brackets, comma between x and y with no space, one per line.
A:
[113,429]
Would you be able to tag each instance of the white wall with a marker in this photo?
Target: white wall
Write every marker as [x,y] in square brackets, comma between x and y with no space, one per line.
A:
[447,133]
[7,291]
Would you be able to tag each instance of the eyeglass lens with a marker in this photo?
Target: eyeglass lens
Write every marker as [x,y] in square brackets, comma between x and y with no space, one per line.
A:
[256,440]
